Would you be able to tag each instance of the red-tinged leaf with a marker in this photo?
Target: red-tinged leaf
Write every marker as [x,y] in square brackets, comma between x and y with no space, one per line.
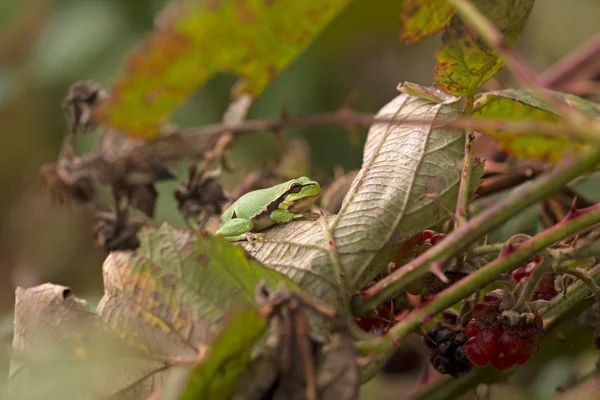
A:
[193,40]
[422,18]
[512,104]
[465,62]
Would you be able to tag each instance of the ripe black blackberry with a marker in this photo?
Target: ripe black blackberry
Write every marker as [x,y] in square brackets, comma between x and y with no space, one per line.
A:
[446,350]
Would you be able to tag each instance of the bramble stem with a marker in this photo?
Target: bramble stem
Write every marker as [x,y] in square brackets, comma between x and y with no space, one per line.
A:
[481,224]
[385,345]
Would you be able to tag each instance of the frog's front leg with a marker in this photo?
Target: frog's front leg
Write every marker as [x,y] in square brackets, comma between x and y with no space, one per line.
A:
[282,216]
[238,229]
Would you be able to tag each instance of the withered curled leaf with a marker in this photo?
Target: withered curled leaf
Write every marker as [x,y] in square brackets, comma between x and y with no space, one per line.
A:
[82,104]
[293,364]
[114,232]
[130,174]
[67,181]
[200,194]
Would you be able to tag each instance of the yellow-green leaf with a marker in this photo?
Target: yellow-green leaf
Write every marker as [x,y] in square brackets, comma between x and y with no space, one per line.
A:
[465,62]
[512,104]
[422,18]
[193,40]
[229,357]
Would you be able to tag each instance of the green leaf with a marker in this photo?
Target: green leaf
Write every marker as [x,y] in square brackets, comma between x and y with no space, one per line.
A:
[229,357]
[422,18]
[180,284]
[465,62]
[193,40]
[401,163]
[513,104]
[588,187]
[166,303]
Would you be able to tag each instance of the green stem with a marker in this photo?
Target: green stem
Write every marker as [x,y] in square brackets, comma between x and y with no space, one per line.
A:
[585,279]
[486,250]
[385,345]
[462,237]
[532,282]
[462,201]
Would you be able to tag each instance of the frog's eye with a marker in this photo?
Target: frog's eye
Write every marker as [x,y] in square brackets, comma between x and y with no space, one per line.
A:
[295,188]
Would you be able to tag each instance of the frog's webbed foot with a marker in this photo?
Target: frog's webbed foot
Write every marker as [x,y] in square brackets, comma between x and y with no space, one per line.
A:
[255,237]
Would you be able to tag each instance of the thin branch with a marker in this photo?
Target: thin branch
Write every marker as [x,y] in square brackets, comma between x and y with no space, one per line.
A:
[175,145]
[462,201]
[478,226]
[576,70]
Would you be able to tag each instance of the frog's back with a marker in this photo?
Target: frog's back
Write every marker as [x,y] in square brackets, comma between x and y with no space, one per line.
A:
[249,205]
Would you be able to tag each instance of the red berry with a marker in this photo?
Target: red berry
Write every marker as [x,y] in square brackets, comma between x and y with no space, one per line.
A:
[427,234]
[474,353]
[519,274]
[471,329]
[489,341]
[525,271]
[492,297]
[523,358]
[437,238]
[510,345]
[424,247]
[478,309]
[503,362]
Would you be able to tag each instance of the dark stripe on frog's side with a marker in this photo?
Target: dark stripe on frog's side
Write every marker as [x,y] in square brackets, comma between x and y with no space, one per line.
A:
[275,204]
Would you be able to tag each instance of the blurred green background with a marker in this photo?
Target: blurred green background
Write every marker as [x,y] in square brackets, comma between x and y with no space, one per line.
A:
[46,45]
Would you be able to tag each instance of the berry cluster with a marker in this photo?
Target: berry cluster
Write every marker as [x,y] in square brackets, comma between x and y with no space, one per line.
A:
[493,339]
[545,289]
[447,351]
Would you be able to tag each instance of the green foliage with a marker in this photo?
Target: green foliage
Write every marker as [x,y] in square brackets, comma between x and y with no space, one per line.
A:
[193,40]
[465,62]
[229,357]
[421,18]
[521,105]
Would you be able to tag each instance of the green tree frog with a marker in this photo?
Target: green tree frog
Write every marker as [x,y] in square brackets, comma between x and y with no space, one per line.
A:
[258,210]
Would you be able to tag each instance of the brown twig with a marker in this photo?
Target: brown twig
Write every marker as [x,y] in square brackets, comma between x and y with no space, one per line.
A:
[196,142]
[575,71]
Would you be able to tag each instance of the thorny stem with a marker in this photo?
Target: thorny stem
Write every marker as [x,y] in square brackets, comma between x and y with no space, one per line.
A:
[480,278]
[577,121]
[575,72]
[195,142]
[462,202]
[486,249]
[584,278]
[532,281]
[477,227]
